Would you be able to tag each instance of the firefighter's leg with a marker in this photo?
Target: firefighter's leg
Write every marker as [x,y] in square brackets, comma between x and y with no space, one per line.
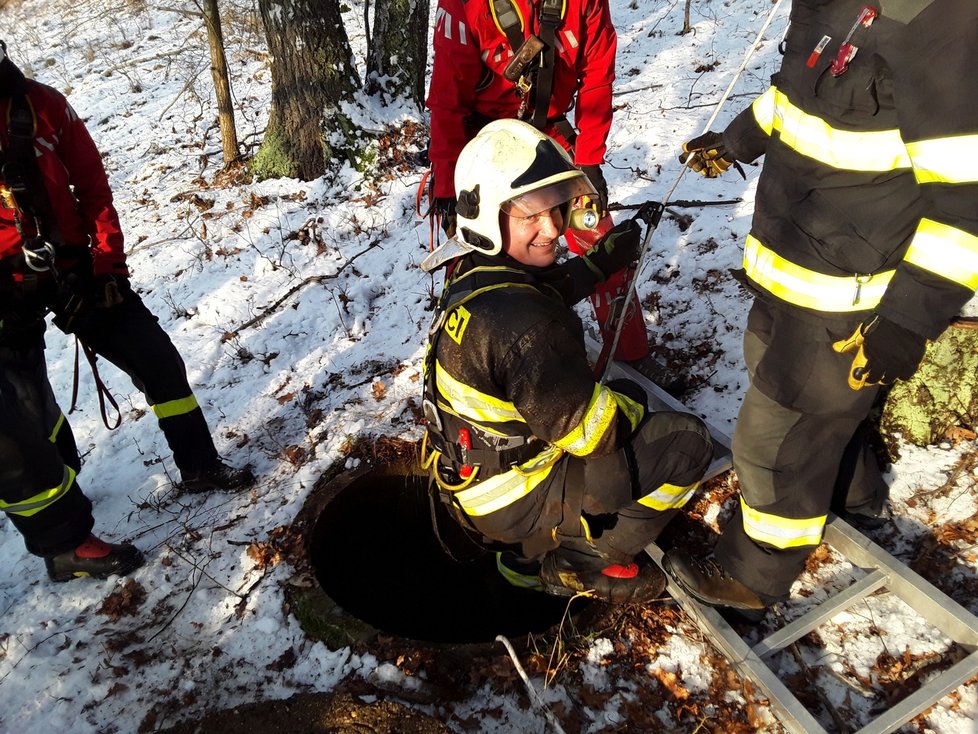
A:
[796,422]
[861,493]
[633,344]
[130,337]
[632,495]
[37,491]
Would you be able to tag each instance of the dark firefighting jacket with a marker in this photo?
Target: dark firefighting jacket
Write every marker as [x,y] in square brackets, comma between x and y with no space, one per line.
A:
[76,184]
[467,84]
[509,390]
[868,198]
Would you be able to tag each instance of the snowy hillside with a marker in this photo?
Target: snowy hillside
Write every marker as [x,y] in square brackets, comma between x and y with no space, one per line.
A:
[301,313]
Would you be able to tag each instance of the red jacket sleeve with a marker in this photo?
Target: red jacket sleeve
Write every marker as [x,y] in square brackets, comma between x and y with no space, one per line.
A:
[87,176]
[457,69]
[596,73]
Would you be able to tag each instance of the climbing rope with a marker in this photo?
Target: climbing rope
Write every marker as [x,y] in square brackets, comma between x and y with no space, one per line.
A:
[653,222]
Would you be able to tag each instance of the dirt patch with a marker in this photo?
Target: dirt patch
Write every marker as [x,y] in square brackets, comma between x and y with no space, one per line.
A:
[316,713]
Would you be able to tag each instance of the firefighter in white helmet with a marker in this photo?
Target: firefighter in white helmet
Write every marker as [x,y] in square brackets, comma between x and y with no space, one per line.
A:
[567,478]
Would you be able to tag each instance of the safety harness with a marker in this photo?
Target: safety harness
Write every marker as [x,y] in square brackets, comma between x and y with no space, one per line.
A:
[474,451]
[22,190]
[531,68]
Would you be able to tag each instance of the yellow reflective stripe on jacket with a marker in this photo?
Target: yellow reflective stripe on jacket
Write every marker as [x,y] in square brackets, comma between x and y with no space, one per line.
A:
[41,500]
[953,159]
[586,435]
[504,489]
[948,251]
[668,496]
[782,532]
[811,289]
[763,108]
[471,403]
[813,137]
[57,428]
[632,410]
[172,408]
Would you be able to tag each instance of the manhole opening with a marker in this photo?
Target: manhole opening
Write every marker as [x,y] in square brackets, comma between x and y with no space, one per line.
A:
[375,554]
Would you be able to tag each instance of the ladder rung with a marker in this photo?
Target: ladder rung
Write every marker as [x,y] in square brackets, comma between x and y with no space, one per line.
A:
[924,697]
[821,613]
[934,605]
[926,599]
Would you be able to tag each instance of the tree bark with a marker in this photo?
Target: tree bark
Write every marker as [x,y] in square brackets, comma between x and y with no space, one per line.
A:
[942,397]
[397,52]
[312,76]
[222,83]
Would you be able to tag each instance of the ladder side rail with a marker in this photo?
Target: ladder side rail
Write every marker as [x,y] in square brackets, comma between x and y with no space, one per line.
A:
[924,697]
[659,399]
[789,710]
[926,599]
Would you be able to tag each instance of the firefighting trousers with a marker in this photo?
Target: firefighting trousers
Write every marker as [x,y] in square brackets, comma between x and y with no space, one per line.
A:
[625,499]
[129,336]
[799,440]
[38,490]
[634,341]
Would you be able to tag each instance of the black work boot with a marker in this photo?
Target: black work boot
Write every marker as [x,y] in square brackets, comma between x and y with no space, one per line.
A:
[217,476]
[705,580]
[868,519]
[567,572]
[94,558]
[520,572]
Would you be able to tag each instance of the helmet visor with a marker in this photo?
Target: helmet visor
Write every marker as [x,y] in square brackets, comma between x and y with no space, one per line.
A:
[547,197]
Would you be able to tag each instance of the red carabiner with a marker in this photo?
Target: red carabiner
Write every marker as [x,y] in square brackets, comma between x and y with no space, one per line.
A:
[847,51]
[465,442]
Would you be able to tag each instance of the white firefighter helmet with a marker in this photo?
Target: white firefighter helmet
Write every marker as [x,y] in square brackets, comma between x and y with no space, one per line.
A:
[511,167]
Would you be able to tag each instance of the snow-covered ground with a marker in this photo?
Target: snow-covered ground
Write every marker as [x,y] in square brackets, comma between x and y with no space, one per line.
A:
[290,389]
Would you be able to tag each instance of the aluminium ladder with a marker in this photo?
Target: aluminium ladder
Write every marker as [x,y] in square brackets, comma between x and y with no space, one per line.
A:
[883,572]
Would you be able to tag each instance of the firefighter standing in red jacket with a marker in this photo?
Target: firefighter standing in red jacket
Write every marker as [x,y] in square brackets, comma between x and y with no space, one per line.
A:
[565,57]
[61,249]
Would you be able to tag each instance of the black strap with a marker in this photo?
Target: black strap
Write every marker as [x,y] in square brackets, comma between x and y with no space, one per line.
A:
[509,20]
[21,173]
[100,388]
[550,18]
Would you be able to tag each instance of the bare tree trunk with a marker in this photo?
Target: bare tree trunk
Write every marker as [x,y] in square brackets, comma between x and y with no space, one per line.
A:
[397,53]
[686,26]
[222,83]
[312,76]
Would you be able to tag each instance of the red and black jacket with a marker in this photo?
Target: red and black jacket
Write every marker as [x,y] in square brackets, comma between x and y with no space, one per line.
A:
[468,88]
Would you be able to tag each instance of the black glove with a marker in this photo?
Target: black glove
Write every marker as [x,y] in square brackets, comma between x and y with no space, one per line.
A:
[616,250]
[707,155]
[444,208]
[884,352]
[107,290]
[596,177]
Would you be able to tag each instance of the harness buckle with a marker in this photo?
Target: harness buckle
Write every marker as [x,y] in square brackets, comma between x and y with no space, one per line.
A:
[39,257]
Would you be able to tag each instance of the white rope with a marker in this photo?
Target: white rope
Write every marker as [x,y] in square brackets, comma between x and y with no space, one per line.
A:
[630,294]
[534,696]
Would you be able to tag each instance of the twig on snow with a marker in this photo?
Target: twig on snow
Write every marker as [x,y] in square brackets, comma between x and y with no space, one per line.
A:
[534,696]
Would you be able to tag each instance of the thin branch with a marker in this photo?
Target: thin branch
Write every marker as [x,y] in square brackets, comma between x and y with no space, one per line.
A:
[295,289]
[534,696]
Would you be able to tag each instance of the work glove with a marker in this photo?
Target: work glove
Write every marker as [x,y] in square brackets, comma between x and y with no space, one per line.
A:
[883,351]
[596,177]
[107,290]
[616,250]
[444,208]
[707,155]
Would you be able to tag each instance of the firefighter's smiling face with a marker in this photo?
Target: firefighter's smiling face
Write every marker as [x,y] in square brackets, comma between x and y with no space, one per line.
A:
[532,240]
